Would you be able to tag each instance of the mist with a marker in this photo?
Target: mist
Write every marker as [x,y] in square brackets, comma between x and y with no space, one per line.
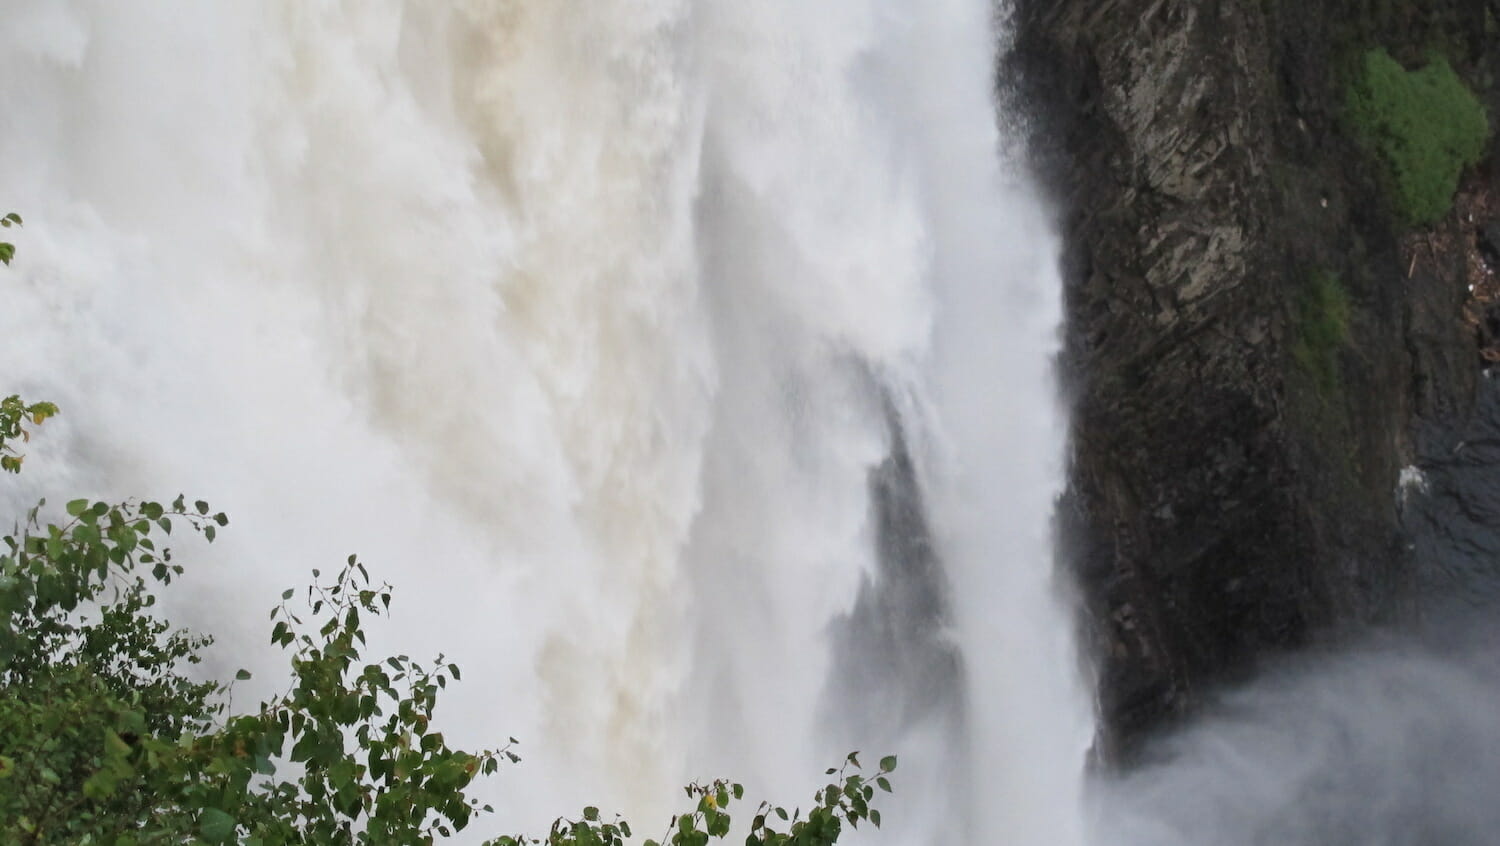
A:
[1389,741]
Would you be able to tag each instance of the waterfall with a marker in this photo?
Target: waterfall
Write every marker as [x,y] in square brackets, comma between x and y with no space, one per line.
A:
[684,365]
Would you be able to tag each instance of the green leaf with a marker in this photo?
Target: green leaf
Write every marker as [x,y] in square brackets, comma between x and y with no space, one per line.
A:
[77,507]
[242,675]
[888,763]
[101,784]
[114,743]
[216,826]
[591,814]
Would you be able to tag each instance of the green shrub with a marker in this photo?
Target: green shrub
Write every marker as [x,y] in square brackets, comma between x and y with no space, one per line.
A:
[1322,329]
[1424,124]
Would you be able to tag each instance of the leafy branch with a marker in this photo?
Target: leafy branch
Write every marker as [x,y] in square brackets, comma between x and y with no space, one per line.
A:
[14,415]
[848,799]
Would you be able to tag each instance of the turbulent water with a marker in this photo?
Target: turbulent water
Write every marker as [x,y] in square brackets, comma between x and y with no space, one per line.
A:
[685,366]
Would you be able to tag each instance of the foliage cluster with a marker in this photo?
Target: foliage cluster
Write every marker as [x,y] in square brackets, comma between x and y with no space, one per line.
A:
[846,799]
[106,739]
[1425,126]
[14,415]
[1322,329]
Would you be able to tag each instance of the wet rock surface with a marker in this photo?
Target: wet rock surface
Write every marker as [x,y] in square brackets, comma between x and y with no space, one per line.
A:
[1451,509]
[1235,489]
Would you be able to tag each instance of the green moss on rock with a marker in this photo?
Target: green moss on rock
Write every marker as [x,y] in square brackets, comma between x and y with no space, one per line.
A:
[1322,330]
[1425,125]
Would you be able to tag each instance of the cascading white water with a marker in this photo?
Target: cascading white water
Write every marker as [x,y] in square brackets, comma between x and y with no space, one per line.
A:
[586,324]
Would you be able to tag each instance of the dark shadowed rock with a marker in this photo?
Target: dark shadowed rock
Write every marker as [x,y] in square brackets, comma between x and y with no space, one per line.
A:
[1253,341]
[1489,244]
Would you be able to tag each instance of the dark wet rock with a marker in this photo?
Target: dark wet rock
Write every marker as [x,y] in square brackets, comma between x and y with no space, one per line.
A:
[1234,486]
[1489,244]
[1452,509]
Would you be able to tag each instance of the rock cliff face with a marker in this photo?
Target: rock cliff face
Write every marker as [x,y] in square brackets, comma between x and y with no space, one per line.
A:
[1256,342]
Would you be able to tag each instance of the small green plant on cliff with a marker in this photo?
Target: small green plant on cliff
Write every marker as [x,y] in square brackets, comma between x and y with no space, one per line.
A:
[1322,329]
[1424,125]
